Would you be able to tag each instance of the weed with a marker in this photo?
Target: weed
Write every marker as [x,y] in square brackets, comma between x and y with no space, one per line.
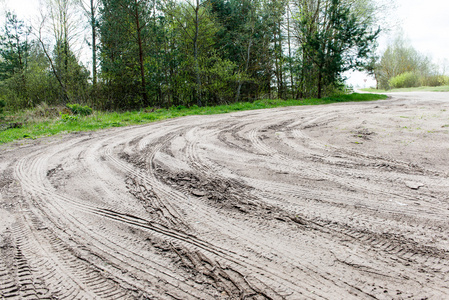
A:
[68,118]
[80,110]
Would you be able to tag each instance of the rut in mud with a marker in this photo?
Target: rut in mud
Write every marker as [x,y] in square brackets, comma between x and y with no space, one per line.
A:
[347,201]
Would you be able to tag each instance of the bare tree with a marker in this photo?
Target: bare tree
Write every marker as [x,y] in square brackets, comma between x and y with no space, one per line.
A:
[40,37]
[58,32]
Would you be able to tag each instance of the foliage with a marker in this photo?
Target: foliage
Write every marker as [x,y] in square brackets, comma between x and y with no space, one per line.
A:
[405,80]
[72,74]
[80,110]
[336,43]
[14,47]
[443,88]
[435,80]
[154,53]
[68,118]
[403,66]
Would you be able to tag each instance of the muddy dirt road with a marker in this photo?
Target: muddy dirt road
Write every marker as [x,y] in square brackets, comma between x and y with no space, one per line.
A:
[345,201]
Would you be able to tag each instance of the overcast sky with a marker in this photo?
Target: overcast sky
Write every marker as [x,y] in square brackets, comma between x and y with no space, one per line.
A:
[424,22]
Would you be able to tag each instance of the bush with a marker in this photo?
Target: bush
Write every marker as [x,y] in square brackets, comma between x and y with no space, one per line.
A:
[405,80]
[67,117]
[80,110]
[435,80]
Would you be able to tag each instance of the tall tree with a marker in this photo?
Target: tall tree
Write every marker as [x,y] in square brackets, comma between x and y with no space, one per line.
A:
[90,8]
[125,29]
[190,18]
[333,41]
[14,54]
[236,37]
[59,29]
[14,47]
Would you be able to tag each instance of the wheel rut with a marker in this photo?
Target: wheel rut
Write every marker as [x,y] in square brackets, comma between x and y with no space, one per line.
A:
[291,203]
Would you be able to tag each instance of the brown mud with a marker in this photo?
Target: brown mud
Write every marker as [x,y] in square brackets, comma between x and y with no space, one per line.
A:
[344,201]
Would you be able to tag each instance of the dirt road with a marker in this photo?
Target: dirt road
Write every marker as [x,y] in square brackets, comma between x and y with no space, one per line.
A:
[346,201]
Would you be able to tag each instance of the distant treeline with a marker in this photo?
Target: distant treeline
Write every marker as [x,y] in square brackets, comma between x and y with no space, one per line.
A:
[402,66]
[169,53]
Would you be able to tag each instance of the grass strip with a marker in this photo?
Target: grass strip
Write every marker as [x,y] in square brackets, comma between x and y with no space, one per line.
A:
[444,88]
[41,127]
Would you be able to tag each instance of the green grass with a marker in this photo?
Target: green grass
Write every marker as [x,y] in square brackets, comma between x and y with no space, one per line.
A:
[35,127]
[444,88]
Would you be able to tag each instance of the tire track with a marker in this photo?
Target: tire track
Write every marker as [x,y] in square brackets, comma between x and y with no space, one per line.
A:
[249,205]
[102,241]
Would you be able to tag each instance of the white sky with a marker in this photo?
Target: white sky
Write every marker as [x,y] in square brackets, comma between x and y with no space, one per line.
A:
[424,22]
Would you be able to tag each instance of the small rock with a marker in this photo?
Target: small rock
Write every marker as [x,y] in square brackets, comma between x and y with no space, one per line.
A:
[198,193]
[413,185]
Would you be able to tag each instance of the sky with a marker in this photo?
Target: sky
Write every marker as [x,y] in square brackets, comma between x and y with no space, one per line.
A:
[425,23]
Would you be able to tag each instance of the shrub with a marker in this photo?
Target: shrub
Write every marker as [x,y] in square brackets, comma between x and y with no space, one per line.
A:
[435,80]
[405,80]
[67,117]
[80,110]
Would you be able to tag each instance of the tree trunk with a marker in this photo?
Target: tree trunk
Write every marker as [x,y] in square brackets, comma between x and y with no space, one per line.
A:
[195,51]
[66,46]
[292,84]
[64,90]
[281,69]
[276,64]
[248,53]
[142,68]
[94,44]
[320,76]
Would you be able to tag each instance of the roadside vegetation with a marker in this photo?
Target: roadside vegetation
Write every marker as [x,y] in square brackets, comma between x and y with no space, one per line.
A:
[402,66]
[46,121]
[151,60]
[154,53]
[444,88]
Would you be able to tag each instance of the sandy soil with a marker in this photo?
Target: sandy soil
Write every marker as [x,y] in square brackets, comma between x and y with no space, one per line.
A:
[346,201]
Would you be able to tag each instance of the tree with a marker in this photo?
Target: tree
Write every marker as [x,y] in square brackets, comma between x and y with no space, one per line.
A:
[399,58]
[190,18]
[57,34]
[14,47]
[90,8]
[202,75]
[127,30]
[25,80]
[333,40]
[14,56]
[236,37]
